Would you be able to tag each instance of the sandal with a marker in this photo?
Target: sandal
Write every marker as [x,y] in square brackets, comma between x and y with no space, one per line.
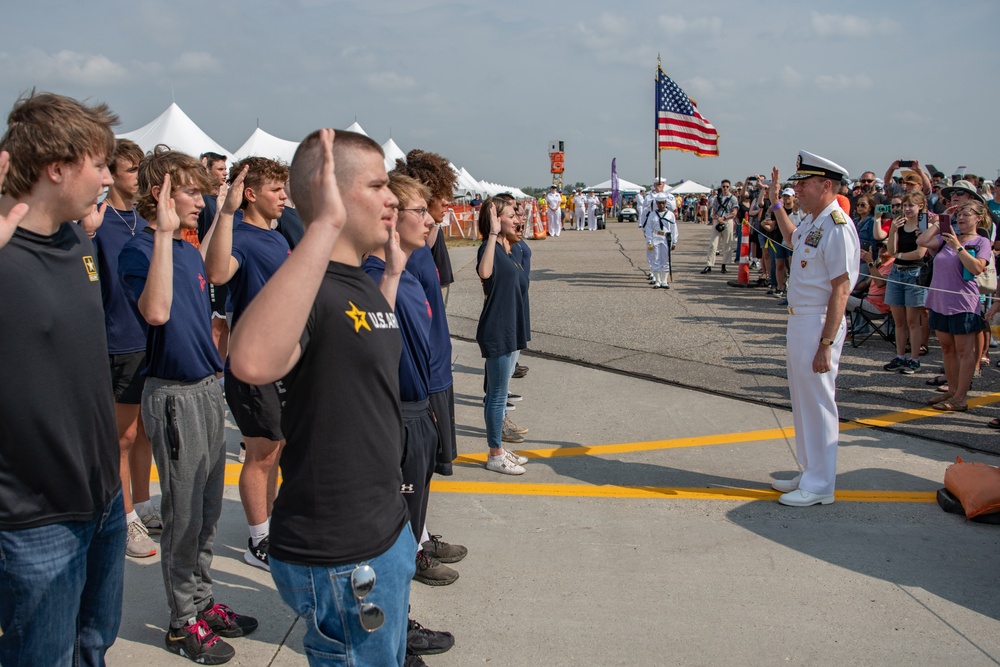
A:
[994,423]
[947,406]
[978,373]
[937,381]
[924,351]
[941,399]
[943,388]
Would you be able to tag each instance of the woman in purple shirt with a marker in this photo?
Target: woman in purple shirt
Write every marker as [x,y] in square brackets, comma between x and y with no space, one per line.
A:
[953,299]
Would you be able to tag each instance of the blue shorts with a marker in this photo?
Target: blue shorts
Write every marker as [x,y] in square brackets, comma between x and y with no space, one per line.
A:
[959,324]
[902,289]
[780,251]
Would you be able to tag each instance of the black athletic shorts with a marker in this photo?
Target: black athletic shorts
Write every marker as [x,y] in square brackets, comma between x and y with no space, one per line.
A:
[443,409]
[217,294]
[256,408]
[125,379]
[420,442]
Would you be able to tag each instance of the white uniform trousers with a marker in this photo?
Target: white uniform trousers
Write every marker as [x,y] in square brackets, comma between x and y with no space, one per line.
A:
[555,221]
[578,216]
[592,218]
[814,403]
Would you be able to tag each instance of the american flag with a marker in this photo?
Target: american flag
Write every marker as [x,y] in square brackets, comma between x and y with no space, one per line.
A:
[678,123]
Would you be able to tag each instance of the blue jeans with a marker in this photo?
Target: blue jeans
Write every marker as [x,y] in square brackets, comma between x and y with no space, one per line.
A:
[322,596]
[498,372]
[61,590]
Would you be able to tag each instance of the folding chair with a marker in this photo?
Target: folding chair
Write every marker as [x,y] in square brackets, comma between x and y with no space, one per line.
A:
[881,324]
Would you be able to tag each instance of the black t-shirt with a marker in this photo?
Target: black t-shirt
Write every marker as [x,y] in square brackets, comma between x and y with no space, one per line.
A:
[907,242]
[58,441]
[442,260]
[502,322]
[340,501]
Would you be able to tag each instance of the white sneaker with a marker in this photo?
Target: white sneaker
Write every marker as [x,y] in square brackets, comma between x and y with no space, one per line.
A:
[138,544]
[504,465]
[515,457]
[242,458]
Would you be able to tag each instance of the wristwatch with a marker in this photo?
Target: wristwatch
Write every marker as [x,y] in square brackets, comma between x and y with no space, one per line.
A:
[826,341]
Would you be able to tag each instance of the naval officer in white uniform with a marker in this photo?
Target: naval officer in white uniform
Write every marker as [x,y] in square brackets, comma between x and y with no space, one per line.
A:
[553,215]
[825,260]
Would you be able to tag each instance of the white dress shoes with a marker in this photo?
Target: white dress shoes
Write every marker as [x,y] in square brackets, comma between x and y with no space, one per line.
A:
[786,485]
[803,498]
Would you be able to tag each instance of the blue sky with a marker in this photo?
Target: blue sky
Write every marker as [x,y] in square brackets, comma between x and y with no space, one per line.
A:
[489,84]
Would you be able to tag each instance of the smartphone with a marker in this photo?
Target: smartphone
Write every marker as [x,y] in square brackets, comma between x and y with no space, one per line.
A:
[766,181]
[906,164]
[922,222]
[103,196]
[966,274]
[944,220]
[882,209]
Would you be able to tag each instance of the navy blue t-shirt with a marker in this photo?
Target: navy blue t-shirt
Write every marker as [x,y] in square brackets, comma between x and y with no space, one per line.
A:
[260,253]
[125,333]
[421,265]
[290,226]
[502,327]
[181,350]
[413,313]
[521,254]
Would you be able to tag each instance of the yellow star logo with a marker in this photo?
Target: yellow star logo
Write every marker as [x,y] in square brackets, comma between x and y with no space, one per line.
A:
[358,316]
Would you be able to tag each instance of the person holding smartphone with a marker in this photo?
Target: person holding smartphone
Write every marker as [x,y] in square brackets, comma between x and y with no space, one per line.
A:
[954,298]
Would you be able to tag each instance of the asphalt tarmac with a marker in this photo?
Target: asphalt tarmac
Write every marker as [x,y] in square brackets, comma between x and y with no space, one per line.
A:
[644,531]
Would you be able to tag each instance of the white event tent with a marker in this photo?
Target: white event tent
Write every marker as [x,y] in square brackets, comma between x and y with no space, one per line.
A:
[392,153]
[174,128]
[689,188]
[623,186]
[262,144]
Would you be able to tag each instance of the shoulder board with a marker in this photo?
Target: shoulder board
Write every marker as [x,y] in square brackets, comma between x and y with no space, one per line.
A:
[838,216]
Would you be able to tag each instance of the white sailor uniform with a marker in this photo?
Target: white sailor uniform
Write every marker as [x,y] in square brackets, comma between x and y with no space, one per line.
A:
[660,229]
[554,214]
[579,210]
[592,204]
[823,248]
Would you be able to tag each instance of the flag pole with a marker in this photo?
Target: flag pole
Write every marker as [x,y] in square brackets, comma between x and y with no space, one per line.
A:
[656,119]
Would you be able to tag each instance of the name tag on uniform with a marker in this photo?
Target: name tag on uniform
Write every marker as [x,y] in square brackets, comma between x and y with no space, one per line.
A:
[813,238]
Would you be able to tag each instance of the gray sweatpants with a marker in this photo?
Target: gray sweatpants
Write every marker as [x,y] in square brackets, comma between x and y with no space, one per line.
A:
[185,422]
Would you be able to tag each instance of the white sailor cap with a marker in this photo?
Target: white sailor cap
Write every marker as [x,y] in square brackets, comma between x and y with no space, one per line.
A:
[659,179]
[809,165]
[660,196]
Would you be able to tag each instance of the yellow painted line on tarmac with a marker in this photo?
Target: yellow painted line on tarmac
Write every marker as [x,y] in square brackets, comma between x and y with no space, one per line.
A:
[232,475]
[887,419]
[651,492]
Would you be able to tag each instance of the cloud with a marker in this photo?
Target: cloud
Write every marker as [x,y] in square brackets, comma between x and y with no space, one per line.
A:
[197,62]
[63,67]
[790,76]
[390,82]
[910,117]
[844,82]
[676,25]
[836,25]
[611,39]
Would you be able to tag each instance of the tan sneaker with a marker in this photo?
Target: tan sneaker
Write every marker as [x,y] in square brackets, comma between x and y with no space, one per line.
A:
[508,424]
[138,544]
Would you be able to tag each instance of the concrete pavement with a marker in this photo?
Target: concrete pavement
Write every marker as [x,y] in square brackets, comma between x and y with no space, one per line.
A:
[644,531]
